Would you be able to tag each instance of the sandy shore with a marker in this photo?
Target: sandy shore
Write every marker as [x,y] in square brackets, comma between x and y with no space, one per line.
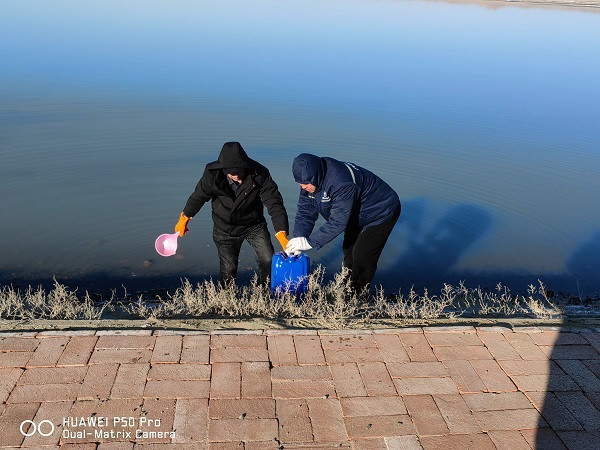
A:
[592,5]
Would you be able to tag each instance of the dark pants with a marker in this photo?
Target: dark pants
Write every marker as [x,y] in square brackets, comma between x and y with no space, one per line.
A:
[229,247]
[362,249]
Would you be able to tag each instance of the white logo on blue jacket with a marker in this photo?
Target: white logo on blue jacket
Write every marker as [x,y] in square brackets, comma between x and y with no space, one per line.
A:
[325,197]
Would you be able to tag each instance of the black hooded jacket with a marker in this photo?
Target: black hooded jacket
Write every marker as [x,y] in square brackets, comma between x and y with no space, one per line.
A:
[233,212]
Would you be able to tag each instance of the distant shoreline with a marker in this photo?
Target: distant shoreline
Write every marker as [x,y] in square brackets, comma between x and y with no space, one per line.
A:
[593,5]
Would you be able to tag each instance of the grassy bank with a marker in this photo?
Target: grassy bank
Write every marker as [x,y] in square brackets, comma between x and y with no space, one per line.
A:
[333,304]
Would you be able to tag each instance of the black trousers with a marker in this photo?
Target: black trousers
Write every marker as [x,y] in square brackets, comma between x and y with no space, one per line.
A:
[362,248]
[229,247]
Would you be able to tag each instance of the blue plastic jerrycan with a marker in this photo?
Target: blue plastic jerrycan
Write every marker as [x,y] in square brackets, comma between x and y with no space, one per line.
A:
[289,271]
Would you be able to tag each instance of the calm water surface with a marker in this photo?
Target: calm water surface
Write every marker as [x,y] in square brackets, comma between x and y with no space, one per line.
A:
[485,121]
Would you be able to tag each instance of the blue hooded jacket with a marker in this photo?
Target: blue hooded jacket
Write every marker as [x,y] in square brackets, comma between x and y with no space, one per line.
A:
[344,193]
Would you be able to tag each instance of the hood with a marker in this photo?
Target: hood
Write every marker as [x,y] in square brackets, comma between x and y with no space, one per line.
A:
[309,169]
[232,155]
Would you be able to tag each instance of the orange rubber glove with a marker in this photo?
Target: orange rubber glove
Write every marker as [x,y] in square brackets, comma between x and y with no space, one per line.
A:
[181,226]
[282,238]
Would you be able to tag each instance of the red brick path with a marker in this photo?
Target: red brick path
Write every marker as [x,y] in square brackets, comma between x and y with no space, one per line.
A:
[450,388]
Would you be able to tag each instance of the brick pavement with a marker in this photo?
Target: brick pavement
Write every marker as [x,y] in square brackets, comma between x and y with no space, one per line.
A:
[413,388]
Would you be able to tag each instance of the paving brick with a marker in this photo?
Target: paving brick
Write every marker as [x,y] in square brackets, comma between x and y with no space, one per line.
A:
[521,367]
[53,412]
[580,440]
[281,350]
[226,380]
[372,406]
[554,382]
[8,380]
[594,366]
[425,415]
[294,421]
[31,393]
[271,445]
[376,379]
[327,420]
[110,408]
[303,389]
[347,379]
[580,373]
[571,352]
[167,349]
[130,381]
[512,419]
[229,446]
[553,338]
[379,426]
[256,380]
[257,408]
[358,355]
[113,446]
[465,376]
[457,414]
[125,342]
[543,438]
[353,331]
[191,420]
[179,372]
[242,430]
[124,332]
[525,347]
[348,341]
[174,389]
[234,354]
[458,442]
[408,442]
[391,348]
[417,369]
[594,397]
[236,331]
[98,381]
[309,350]
[377,443]
[493,376]
[509,440]
[195,349]
[498,346]
[467,353]
[48,352]
[238,341]
[162,409]
[53,375]
[497,401]
[593,339]
[18,344]
[292,331]
[120,356]
[417,347]
[11,420]
[78,351]
[582,409]
[418,386]
[301,373]
[452,339]
[14,359]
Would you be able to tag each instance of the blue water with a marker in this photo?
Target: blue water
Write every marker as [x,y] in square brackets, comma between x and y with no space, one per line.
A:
[485,121]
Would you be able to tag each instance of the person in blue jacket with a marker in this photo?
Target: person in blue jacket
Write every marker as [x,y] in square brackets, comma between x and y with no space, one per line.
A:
[352,200]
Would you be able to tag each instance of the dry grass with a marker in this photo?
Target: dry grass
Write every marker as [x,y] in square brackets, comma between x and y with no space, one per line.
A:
[333,303]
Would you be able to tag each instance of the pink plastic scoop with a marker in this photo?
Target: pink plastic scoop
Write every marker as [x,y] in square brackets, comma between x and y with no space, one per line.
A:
[166,244]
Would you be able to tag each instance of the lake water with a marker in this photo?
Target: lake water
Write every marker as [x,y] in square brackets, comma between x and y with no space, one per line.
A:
[486,121]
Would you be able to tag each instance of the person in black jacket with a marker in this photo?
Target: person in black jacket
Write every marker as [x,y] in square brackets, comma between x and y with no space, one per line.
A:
[239,189]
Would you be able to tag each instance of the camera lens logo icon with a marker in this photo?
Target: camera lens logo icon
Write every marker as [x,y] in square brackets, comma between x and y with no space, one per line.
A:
[45,428]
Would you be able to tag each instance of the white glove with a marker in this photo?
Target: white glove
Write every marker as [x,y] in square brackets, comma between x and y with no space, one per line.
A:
[297,245]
